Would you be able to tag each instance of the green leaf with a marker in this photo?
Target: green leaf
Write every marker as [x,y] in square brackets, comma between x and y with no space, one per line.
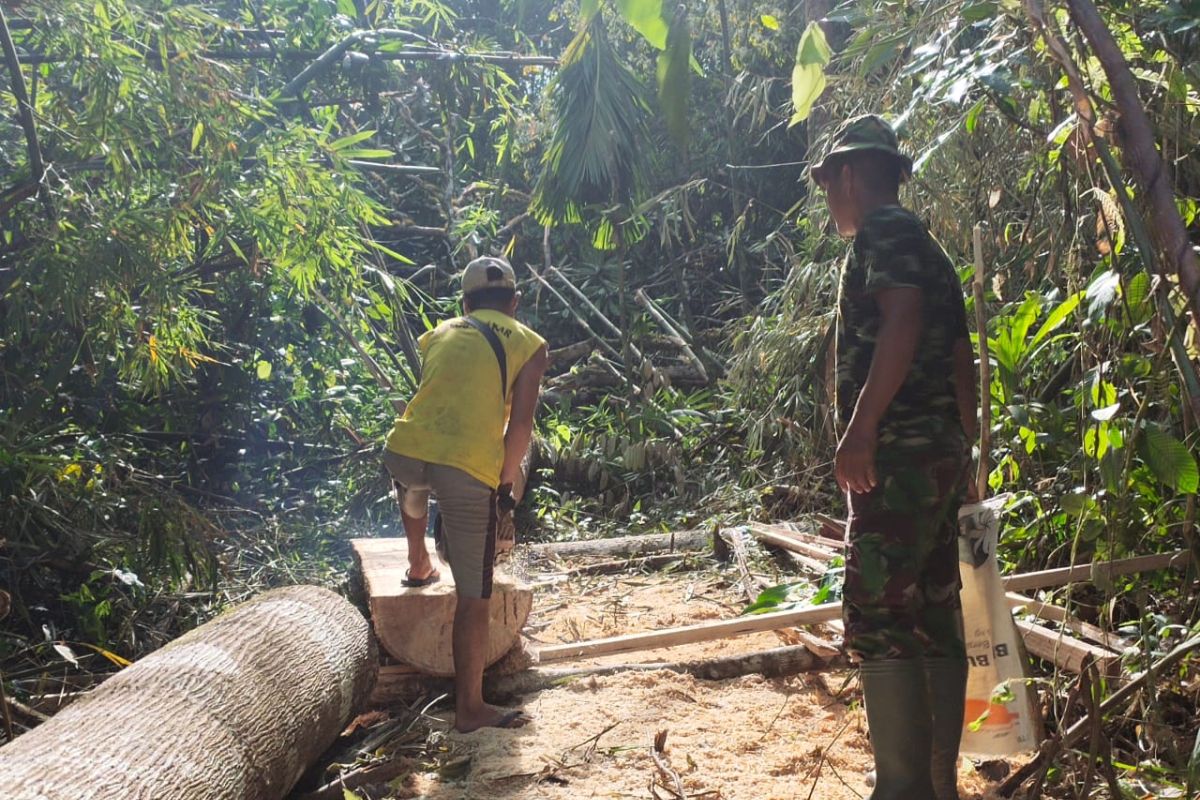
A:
[1057,317]
[1170,460]
[646,17]
[976,12]
[197,135]
[770,22]
[352,139]
[775,598]
[367,152]
[347,7]
[673,79]
[974,114]
[808,76]
[263,370]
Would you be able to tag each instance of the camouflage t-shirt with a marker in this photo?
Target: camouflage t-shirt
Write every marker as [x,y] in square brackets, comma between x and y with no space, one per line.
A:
[892,250]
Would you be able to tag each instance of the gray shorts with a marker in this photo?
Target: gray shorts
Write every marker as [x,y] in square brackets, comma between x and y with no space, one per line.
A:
[468,510]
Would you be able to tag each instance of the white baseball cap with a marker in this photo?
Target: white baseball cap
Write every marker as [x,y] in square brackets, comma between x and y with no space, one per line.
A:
[488,272]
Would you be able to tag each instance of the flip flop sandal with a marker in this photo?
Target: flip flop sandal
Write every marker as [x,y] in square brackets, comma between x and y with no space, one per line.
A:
[417,583]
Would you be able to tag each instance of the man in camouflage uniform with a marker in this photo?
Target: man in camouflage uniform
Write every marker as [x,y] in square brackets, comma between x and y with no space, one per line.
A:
[906,416]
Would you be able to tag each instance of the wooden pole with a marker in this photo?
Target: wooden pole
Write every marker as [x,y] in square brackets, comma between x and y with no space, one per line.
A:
[985,368]
[689,634]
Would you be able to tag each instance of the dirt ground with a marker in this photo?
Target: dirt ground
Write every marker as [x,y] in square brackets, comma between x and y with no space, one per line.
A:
[746,738]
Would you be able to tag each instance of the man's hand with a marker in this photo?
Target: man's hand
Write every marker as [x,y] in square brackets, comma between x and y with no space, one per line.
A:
[504,498]
[854,464]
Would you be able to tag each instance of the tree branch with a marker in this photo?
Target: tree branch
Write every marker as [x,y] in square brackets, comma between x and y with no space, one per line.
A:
[37,167]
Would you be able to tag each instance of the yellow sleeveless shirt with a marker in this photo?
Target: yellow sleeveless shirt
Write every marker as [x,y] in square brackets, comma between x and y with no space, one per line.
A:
[456,417]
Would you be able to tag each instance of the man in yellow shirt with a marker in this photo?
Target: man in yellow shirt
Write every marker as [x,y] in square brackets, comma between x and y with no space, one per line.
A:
[463,437]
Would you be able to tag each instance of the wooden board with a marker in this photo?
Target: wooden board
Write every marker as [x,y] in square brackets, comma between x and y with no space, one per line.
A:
[1065,651]
[688,634]
[415,625]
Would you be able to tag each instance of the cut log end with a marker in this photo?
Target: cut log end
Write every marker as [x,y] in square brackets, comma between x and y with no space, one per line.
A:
[415,625]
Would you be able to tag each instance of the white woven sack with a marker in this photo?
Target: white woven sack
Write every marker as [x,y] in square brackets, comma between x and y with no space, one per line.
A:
[1001,714]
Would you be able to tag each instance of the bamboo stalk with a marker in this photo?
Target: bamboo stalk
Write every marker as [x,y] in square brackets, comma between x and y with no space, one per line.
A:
[604,345]
[37,167]
[590,306]
[672,334]
[985,368]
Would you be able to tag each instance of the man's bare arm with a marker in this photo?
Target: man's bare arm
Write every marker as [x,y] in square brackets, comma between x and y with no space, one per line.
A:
[520,421]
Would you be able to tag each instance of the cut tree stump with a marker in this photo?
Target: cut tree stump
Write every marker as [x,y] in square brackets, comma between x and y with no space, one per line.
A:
[415,625]
[236,709]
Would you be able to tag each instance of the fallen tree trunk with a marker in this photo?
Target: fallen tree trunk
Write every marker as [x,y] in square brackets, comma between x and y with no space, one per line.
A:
[397,683]
[627,546]
[234,710]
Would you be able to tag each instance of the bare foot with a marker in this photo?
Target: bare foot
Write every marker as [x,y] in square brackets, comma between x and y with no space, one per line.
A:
[490,717]
[420,566]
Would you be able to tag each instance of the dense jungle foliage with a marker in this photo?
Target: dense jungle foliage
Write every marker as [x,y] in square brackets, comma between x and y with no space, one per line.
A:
[225,223]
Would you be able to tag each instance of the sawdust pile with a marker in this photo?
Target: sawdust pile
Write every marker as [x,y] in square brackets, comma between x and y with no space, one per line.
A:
[798,737]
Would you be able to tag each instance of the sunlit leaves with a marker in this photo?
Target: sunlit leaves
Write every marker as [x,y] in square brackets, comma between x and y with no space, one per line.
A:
[808,75]
[595,153]
[770,22]
[647,18]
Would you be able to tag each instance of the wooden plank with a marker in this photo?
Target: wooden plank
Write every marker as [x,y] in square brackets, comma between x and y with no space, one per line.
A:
[1060,615]
[1067,652]
[1082,573]
[689,634]
[787,540]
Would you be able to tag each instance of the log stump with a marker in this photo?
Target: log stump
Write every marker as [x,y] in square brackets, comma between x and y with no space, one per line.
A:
[414,625]
[236,709]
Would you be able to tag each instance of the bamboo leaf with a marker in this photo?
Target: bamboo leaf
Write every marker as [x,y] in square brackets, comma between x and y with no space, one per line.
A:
[808,76]
[352,139]
[1170,460]
[197,135]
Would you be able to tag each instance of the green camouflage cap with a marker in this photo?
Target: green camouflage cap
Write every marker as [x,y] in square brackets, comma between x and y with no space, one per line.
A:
[866,132]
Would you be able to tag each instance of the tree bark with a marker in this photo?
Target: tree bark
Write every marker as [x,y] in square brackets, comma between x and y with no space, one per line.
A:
[234,710]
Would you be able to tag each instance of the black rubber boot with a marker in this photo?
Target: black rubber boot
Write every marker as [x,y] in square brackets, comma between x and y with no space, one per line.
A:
[947,681]
[898,715]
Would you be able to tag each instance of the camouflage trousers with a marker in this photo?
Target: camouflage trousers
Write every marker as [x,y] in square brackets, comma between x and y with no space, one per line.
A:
[900,594]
